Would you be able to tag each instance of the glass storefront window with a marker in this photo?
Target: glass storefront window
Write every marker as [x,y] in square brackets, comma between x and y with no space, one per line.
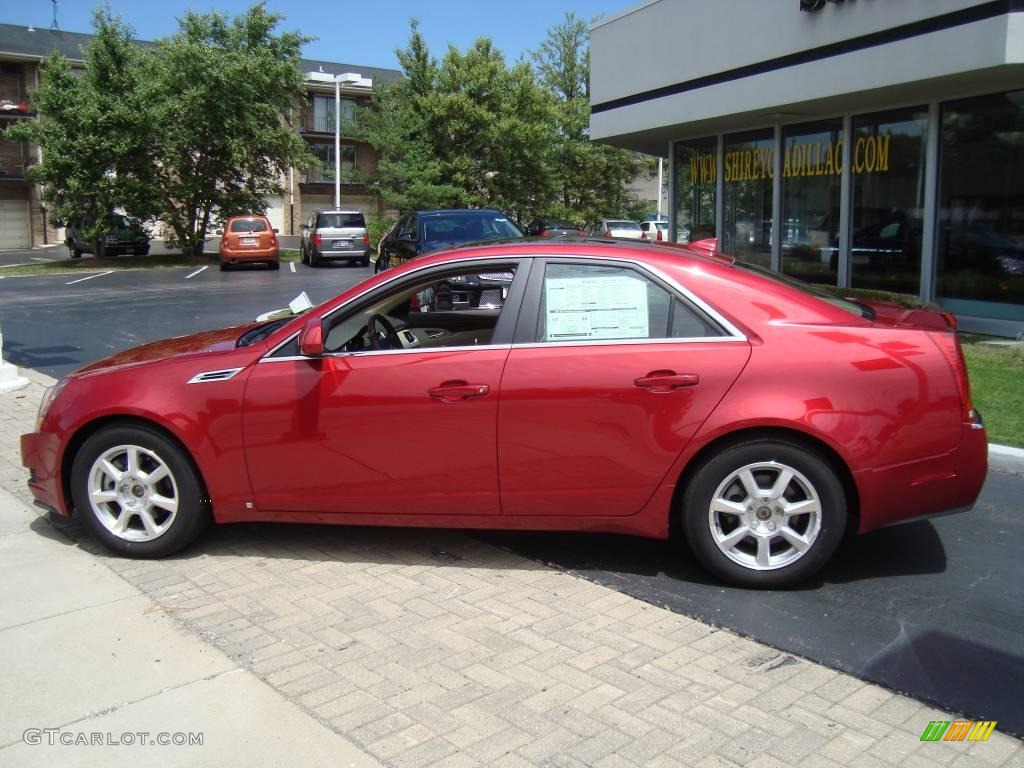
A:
[748,196]
[981,207]
[887,174]
[811,174]
[696,177]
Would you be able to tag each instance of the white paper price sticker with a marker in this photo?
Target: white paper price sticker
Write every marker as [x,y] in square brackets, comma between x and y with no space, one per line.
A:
[589,308]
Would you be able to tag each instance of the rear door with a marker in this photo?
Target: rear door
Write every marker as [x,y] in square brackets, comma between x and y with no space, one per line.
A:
[612,373]
[342,233]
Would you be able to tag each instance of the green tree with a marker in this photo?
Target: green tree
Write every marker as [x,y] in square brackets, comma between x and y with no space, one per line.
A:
[590,179]
[222,93]
[468,131]
[94,131]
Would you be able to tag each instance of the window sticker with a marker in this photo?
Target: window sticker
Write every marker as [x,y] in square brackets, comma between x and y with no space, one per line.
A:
[585,308]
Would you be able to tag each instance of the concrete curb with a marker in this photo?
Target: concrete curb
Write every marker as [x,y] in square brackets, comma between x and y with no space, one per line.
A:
[1003,458]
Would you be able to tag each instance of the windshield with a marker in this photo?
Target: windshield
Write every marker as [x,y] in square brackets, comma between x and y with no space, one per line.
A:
[853,308]
[248,225]
[467,228]
[117,221]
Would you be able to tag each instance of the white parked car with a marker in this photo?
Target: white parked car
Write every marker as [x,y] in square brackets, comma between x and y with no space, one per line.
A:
[654,230]
[618,228]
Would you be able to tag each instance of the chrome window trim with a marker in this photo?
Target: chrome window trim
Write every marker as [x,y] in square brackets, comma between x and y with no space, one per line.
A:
[732,332]
[367,352]
[212,377]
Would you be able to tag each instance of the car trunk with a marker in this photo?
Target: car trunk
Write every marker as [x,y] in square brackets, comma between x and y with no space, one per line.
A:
[248,240]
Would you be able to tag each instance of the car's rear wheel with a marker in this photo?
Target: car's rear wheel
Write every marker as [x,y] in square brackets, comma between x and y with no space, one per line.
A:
[76,252]
[274,264]
[314,258]
[302,255]
[765,514]
[223,266]
[365,262]
[137,492]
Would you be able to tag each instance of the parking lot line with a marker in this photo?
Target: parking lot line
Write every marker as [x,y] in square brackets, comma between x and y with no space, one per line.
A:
[90,277]
[196,272]
[292,265]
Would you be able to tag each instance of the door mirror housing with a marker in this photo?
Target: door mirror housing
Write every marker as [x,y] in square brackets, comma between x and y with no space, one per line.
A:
[311,338]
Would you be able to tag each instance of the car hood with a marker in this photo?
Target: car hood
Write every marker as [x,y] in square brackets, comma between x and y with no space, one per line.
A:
[207,341]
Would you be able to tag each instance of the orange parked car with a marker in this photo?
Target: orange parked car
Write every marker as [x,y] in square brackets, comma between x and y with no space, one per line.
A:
[247,239]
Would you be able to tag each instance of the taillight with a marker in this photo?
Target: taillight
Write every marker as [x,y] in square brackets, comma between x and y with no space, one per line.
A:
[582,233]
[544,233]
[643,235]
[315,239]
[366,239]
[608,233]
[949,345]
[659,234]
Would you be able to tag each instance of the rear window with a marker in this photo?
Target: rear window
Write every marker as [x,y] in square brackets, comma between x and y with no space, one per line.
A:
[623,225]
[854,309]
[560,225]
[248,225]
[338,220]
[467,228]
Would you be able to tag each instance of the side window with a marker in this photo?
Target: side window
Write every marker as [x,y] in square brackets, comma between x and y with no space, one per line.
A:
[408,227]
[583,302]
[450,308]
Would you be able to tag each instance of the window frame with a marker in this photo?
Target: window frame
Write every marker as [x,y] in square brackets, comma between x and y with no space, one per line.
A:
[529,312]
[504,330]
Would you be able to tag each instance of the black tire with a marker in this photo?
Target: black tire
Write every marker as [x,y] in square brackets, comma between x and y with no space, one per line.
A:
[716,470]
[223,266]
[193,509]
[302,255]
[365,261]
[76,252]
[314,258]
[381,264]
[274,264]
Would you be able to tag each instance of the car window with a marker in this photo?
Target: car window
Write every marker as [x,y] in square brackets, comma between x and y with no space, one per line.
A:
[337,220]
[456,308]
[583,302]
[623,225]
[465,228]
[248,225]
[408,227]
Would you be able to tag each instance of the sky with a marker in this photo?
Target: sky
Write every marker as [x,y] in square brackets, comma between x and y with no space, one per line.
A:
[353,33]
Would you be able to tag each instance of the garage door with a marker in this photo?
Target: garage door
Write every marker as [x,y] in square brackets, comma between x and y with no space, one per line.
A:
[14,232]
[275,212]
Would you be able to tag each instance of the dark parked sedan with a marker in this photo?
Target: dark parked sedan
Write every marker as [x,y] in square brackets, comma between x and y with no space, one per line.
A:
[117,235]
[420,232]
[553,228]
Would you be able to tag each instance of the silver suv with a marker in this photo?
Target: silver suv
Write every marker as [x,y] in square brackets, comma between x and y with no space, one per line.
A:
[335,235]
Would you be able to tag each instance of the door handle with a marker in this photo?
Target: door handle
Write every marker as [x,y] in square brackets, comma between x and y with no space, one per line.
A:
[456,391]
[666,381]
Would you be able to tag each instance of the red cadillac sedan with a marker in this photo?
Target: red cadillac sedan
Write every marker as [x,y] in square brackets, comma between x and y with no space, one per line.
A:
[571,385]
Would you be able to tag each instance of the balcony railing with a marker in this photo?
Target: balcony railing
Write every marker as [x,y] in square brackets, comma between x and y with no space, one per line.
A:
[324,124]
[325,175]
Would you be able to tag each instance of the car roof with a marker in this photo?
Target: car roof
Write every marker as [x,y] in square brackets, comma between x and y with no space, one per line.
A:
[459,212]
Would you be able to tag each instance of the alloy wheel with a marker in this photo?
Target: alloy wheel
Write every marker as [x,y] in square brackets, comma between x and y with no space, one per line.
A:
[133,493]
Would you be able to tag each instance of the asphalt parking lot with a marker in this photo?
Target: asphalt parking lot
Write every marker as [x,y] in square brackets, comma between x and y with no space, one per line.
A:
[930,608]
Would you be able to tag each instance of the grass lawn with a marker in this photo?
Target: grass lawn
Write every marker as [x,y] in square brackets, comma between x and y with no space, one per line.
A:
[89,264]
[997,389]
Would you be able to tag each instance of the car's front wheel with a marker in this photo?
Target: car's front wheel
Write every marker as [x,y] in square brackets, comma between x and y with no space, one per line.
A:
[764,514]
[137,492]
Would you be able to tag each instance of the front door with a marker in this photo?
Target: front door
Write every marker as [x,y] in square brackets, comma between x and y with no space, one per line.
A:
[399,417]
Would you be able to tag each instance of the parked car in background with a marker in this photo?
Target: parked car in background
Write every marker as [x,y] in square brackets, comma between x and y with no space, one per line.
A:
[553,228]
[335,235]
[618,387]
[617,228]
[120,235]
[421,232]
[248,240]
[654,230]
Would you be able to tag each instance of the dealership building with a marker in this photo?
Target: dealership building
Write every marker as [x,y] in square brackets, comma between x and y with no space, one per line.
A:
[861,143]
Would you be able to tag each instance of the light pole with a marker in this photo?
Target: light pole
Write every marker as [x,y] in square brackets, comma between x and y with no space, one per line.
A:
[346,78]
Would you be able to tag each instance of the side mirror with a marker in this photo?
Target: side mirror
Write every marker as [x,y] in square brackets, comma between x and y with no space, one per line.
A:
[276,230]
[218,231]
[311,338]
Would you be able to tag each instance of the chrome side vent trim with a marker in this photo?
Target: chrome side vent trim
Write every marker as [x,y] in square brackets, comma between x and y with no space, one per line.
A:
[207,376]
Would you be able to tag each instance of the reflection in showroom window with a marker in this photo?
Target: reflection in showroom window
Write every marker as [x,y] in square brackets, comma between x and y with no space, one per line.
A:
[582,302]
[457,308]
